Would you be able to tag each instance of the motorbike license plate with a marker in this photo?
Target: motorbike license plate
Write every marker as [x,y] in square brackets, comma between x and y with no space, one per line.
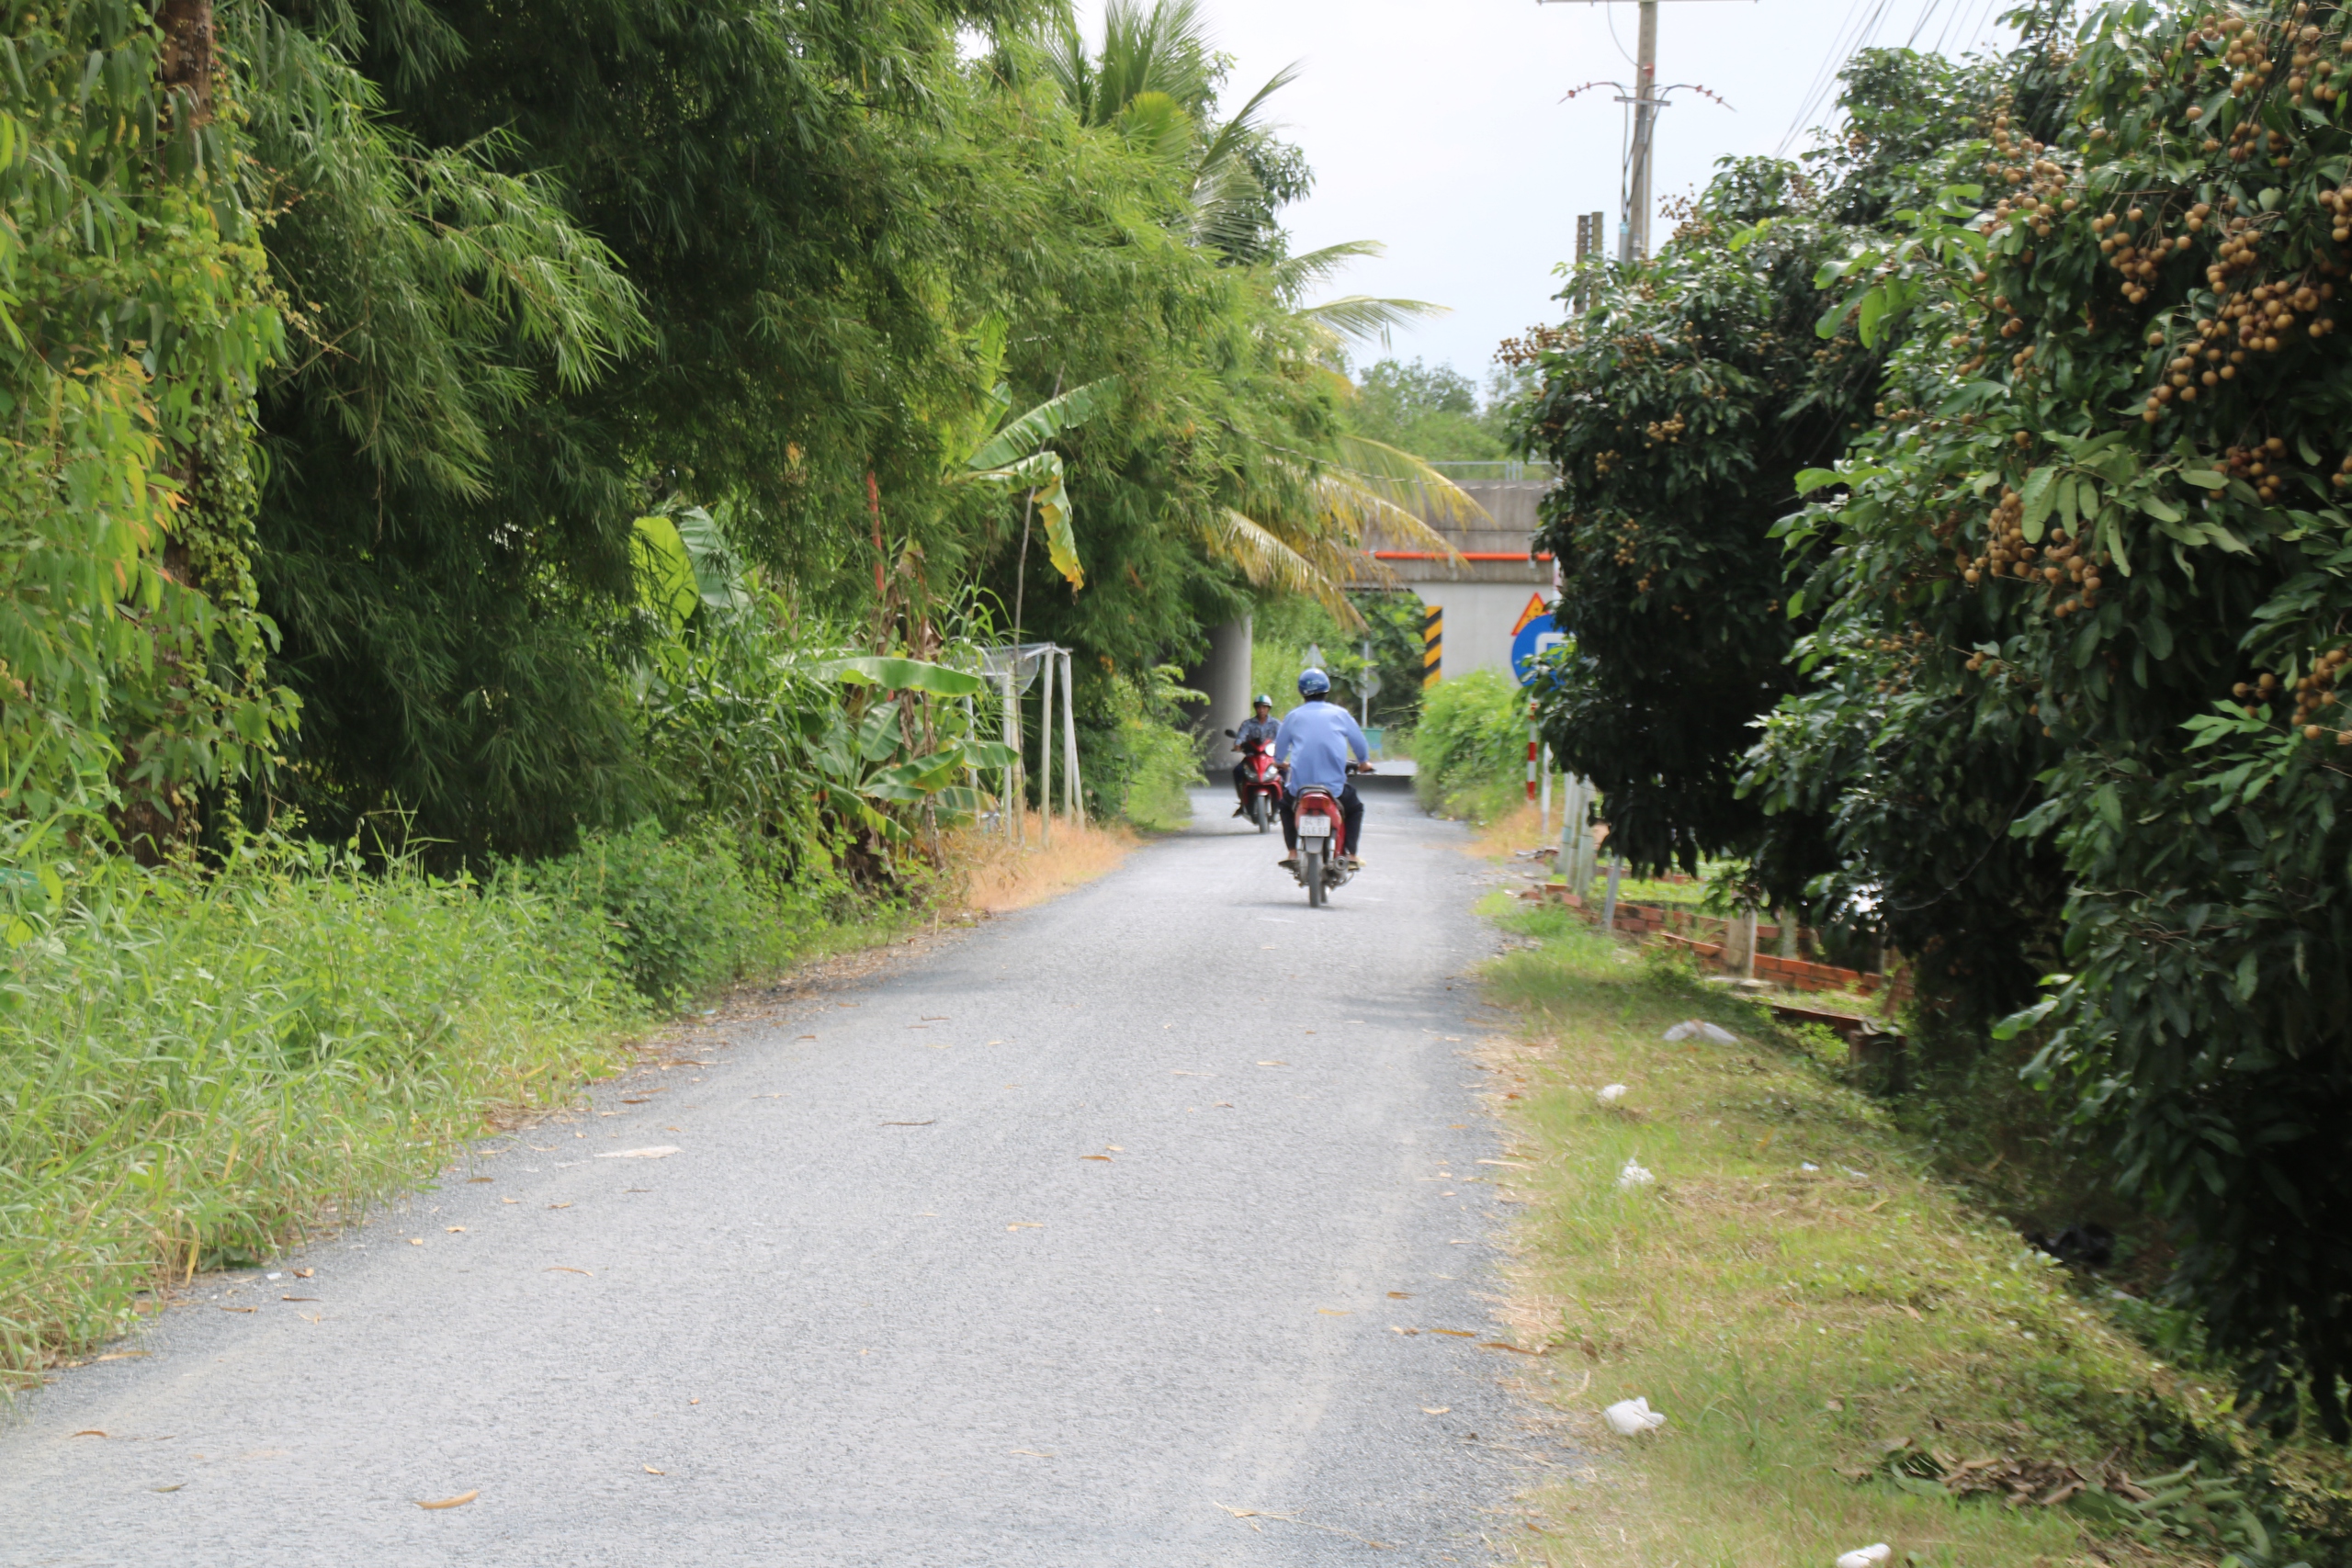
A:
[1313,828]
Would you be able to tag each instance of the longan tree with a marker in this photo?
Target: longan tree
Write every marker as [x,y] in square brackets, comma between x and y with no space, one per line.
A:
[1679,410]
[2099,534]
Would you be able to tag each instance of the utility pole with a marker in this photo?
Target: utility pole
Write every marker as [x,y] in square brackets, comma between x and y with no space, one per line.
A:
[1646,100]
[1633,239]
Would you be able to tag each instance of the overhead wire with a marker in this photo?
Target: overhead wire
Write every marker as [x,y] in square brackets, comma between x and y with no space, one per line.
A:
[1851,39]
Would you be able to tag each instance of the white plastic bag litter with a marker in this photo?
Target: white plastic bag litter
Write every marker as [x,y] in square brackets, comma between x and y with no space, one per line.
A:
[1866,1557]
[1634,1175]
[1697,1029]
[1630,1417]
[1612,1094]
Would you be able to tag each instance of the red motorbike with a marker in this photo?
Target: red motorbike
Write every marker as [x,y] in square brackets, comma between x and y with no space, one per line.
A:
[1262,782]
[1323,842]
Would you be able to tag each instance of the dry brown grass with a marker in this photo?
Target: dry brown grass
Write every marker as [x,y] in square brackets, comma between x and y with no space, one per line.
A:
[998,878]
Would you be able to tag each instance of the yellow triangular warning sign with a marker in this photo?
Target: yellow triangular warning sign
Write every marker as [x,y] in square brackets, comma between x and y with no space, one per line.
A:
[1535,612]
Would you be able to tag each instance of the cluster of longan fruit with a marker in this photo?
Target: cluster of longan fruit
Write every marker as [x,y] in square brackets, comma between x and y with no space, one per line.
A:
[1627,539]
[2062,565]
[2018,161]
[1905,653]
[2259,466]
[2314,694]
[2139,257]
[1602,462]
[1666,431]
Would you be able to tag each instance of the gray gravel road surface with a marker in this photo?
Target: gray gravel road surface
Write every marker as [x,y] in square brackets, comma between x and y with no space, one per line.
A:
[1070,1242]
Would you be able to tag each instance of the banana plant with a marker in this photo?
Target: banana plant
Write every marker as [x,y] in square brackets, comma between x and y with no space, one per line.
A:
[1014,457]
[867,763]
[684,564]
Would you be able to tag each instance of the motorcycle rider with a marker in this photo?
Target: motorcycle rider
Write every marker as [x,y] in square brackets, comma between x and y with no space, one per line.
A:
[1259,726]
[1317,738]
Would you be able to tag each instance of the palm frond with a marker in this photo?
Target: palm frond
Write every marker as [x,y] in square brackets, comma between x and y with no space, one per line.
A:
[1406,479]
[1243,122]
[1365,317]
[1292,276]
[1269,561]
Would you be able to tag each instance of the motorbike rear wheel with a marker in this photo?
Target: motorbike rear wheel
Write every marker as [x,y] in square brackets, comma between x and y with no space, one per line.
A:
[1258,812]
[1312,862]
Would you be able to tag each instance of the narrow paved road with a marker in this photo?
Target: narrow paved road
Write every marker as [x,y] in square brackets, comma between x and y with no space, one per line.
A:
[884,1305]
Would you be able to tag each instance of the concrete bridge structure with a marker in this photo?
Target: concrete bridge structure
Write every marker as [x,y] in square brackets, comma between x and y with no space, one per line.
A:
[1479,601]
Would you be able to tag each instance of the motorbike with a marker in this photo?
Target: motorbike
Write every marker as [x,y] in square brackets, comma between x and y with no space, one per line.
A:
[1323,842]
[1265,785]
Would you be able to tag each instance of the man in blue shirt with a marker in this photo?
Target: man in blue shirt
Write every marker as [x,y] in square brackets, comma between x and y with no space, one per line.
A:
[1316,739]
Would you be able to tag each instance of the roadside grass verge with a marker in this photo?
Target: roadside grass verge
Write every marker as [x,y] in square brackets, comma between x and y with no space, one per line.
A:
[195,1069]
[198,1069]
[1844,1350]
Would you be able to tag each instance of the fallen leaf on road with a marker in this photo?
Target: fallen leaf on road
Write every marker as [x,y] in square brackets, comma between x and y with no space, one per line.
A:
[845,1004]
[1394,1329]
[172,1487]
[416,1241]
[121,1355]
[1436,1409]
[1273,1063]
[1515,1165]
[460,1501]
[559,1205]
[808,1037]
[659,1151]
[1104,1159]
[297,1298]
[1456,1332]
[1032,1453]
[931,1123]
[635,1100]
[1114,1148]
[89,1432]
[1498,1345]
[1335,1312]
[560,1269]
[995,1042]
[304,1273]
[478,1181]
[236,1309]
[510,1200]
[458,1229]
[650,1470]
[1027,1226]
[1400,1295]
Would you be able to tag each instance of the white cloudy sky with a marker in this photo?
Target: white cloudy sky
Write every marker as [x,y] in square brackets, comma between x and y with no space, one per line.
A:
[1436,126]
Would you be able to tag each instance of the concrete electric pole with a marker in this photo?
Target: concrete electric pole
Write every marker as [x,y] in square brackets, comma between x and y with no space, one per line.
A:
[1633,239]
[1633,223]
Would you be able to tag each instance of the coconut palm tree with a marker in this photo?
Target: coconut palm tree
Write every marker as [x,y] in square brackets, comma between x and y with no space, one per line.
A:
[1303,526]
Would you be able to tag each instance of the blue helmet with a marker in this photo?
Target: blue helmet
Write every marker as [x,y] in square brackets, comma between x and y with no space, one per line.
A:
[1313,683]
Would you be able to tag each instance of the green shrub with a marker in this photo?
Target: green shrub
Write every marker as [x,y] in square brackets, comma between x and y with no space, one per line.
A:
[1470,746]
[684,914]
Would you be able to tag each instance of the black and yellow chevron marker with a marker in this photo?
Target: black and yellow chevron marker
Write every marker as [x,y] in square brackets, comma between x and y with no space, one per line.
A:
[1432,642]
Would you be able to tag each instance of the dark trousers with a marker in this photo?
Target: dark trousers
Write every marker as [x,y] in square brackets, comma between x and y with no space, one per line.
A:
[1241,775]
[1351,815]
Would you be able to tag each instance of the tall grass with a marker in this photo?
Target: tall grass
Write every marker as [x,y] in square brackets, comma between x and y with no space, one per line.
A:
[195,1068]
